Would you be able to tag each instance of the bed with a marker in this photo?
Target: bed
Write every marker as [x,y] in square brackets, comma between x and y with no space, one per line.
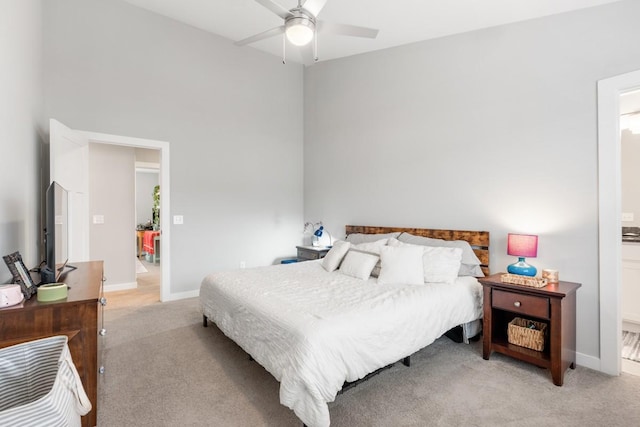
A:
[316,330]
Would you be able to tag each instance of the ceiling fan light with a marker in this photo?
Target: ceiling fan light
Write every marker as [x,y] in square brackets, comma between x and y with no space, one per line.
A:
[300,30]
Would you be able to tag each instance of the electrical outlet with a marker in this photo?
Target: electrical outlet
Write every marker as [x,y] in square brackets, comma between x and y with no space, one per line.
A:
[98,219]
[243,264]
[627,216]
[178,219]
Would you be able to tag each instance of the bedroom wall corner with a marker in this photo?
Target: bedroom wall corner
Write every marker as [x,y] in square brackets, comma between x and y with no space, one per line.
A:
[232,115]
[491,130]
[21,130]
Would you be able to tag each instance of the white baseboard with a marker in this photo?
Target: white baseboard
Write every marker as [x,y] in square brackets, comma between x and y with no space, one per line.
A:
[182,295]
[120,286]
[587,361]
[631,318]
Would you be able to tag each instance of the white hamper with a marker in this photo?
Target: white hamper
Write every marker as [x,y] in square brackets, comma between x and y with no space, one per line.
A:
[40,386]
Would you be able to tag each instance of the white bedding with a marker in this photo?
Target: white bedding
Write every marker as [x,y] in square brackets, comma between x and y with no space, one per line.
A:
[314,330]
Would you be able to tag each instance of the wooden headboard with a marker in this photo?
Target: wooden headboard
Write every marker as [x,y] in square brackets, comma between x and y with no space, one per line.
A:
[479,240]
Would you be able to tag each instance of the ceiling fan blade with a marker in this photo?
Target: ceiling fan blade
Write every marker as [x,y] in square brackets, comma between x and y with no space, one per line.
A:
[275,8]
[314,6]
[348,30]
[261,36]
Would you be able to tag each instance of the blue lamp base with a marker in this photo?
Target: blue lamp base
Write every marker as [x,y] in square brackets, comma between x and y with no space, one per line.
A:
[522,268]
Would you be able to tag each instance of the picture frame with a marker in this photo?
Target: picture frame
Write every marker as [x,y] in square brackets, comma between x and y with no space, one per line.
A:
[21,274]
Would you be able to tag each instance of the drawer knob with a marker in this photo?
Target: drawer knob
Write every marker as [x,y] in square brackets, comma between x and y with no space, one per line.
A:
[517,304]
[103,301]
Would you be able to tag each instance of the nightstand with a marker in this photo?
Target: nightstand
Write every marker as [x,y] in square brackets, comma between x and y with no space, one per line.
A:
[554,304]
[307,253]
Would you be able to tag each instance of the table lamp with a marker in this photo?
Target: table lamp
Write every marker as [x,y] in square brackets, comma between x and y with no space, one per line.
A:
[317,235]
[522,245]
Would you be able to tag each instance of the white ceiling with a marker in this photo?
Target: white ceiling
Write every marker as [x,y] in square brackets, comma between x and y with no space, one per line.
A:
[400,21]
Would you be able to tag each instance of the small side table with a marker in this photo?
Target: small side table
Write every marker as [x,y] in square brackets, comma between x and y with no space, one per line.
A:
[554,304]
[307,253]
[139,237]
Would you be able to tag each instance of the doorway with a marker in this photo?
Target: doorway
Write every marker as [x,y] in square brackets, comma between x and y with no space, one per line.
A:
[65,140]
[610,225]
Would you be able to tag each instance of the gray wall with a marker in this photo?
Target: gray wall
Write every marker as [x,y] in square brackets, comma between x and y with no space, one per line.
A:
[492,130]
[147,155]
[630,154]
[20,125]
[112,190]
[232,116]
[145,183]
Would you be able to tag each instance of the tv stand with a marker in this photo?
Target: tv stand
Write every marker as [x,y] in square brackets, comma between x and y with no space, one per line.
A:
[79,317]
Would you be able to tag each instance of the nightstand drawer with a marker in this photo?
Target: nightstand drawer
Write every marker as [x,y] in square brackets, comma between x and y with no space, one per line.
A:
[307,254]
[520,303]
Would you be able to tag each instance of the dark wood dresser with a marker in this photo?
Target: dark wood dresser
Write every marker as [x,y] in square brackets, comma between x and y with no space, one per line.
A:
[79,317]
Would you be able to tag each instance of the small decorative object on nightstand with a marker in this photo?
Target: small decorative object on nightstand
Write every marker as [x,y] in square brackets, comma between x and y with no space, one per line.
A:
[317,230]
[522,245]
[550,312]
[308,253]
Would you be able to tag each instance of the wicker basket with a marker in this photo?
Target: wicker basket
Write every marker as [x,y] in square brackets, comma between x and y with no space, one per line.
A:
[516,279]
[519,333]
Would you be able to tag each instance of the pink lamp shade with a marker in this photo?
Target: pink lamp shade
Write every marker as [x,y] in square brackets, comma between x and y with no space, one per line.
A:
[522,245]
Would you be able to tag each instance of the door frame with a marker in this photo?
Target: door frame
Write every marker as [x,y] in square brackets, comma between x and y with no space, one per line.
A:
[165,185]
[610,210]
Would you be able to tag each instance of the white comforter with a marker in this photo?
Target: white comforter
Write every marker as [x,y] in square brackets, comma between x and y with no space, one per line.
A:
[314,330]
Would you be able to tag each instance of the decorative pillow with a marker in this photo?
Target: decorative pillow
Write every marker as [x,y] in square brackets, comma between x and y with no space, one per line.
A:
[358,264]
[332,260]
[358,238]
[374,248]
[401,265]
[441,265]
[470,264]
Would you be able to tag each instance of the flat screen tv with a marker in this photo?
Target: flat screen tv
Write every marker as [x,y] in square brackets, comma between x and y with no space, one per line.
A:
[56,233]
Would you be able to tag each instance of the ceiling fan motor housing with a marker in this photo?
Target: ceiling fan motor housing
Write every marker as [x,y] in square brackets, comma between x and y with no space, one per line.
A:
[300,27]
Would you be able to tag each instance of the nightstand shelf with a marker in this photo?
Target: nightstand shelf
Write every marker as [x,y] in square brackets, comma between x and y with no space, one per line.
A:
[554,305]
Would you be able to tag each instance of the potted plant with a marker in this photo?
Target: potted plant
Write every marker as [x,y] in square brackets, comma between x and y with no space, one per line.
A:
[156,207]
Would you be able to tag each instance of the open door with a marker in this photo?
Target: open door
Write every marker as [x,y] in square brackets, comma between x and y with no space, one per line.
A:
[69,167]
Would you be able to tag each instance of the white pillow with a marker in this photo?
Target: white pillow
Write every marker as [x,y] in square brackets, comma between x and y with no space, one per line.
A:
[441,265]
[470,264]
[374,248]
[332,260]
[357,238]
[401,265]
[358,264]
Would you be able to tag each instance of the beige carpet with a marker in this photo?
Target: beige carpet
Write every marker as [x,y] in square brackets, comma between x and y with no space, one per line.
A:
[164,369]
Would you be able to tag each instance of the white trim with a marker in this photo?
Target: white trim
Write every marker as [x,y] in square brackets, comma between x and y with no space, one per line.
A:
[147,170]
[609,208]
[183,295]
[165,200]
[148,165]
[120,287]
[587,361]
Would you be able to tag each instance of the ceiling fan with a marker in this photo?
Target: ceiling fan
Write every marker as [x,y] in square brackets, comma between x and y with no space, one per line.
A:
[301,26]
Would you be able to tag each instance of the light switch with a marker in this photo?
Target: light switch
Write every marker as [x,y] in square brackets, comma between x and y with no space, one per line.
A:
[627,216]
[98,219]
[178,219]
